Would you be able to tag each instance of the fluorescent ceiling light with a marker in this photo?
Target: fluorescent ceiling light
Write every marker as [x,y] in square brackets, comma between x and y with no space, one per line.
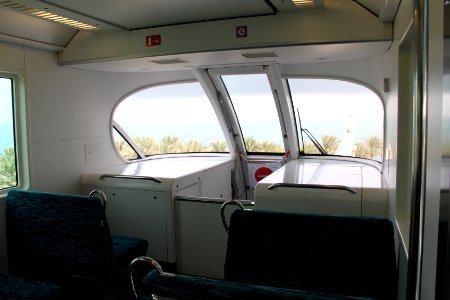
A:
[46,15]
[303,2]
[60,19]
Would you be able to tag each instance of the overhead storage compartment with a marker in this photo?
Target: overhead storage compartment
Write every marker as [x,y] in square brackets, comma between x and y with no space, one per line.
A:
[340,22]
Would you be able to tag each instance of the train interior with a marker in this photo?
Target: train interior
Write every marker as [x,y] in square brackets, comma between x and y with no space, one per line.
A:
[172,108]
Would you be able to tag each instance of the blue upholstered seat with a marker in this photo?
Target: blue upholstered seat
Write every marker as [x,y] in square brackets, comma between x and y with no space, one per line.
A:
[13,288]
[65,239]
[125,249]
[274,255]
[329,254]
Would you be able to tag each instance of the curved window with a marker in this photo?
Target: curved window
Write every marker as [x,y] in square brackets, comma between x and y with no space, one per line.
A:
[337,117]
[173,118]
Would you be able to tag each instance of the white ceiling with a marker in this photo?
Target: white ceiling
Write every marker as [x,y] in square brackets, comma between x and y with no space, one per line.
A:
[118,15]
[136,14]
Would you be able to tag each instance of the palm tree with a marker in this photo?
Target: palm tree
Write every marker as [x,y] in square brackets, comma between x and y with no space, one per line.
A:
[330,143]
[169,144]
[192,146]
[218,146]
[8,174]
[362,150]
[374,145]
[147,145]
[251,144]
[267,146]
[310,148]
[125,150]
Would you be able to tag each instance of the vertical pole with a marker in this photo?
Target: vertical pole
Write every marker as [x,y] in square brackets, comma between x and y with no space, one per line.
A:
[420,15]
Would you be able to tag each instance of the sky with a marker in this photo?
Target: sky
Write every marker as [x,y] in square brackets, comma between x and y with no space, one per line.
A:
[326,107]
[337,107]
[6,116]
[170,110]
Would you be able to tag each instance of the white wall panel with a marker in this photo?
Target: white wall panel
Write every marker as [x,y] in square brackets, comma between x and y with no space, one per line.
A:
[68,110]
[12,57]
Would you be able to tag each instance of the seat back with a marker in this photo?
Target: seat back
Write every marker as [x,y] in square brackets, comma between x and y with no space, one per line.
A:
[51,235]
[352,256]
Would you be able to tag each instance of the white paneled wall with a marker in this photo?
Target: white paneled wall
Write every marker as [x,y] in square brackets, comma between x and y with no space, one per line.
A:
[70,111]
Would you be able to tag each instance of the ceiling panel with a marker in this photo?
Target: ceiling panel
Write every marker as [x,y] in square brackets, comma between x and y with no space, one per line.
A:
[22,29]
[135,14]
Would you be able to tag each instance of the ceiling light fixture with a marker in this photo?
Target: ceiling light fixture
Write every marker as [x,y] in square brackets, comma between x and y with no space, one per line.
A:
[46,15]
[300,3]
[60,19]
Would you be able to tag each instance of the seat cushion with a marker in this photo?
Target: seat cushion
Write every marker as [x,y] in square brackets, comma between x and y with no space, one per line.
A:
[125,249]
[14,288]
[193,287]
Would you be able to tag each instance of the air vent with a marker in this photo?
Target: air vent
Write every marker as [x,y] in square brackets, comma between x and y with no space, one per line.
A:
[168,61]
[259,55]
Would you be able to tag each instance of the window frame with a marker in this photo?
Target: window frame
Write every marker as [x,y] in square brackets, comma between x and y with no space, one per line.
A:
[21,133]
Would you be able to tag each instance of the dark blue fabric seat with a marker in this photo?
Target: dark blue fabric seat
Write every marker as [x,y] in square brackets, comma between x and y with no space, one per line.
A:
[329,254]
[65,239]
[274,255]
[187,287]
[14,288]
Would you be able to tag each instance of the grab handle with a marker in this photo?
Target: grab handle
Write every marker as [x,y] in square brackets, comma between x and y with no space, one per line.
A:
[102,196]
[154,179]
[152,262]
[313,186]
[222,211]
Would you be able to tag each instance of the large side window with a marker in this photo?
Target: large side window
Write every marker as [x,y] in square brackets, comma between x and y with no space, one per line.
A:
[8,164]
[13,143]
[337,117]
[173,118]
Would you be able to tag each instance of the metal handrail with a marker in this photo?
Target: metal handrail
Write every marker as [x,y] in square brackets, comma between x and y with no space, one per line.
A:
[222,211]
[151,261]
[313,186]
[209,200]
[154,179]
[102,195]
